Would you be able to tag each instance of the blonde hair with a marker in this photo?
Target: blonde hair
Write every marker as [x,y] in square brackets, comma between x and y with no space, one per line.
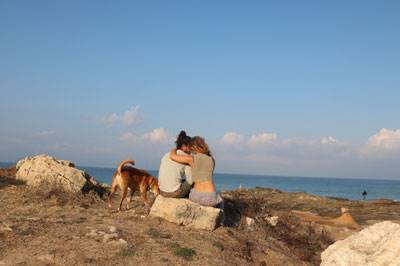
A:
[199,145]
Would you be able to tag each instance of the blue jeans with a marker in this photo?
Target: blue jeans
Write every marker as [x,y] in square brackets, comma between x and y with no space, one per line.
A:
[211,199]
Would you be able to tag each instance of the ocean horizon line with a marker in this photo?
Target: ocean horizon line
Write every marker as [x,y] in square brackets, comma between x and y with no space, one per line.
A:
[247,174]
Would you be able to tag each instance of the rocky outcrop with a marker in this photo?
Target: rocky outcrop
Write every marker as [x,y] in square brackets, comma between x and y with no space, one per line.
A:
[42,168]
[8,172]
[187,213]
[376,245]
[345,220]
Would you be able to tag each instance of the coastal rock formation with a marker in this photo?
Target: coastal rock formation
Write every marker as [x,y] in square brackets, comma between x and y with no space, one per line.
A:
[8,172]
[377,245]
[42,168]
[345,220]
[187,213]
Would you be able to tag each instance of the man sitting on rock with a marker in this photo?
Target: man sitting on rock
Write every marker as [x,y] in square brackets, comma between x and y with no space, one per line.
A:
[172,175]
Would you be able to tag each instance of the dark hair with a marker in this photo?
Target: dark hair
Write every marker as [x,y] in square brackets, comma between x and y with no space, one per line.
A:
[182,139]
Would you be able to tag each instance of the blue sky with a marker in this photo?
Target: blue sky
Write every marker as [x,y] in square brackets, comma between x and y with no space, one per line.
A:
[286,87]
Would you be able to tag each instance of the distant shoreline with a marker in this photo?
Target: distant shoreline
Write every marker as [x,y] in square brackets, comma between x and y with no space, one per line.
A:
[348,188]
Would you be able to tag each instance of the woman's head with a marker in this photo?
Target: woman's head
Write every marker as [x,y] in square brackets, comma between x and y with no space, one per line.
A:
[183,141]
[199,145]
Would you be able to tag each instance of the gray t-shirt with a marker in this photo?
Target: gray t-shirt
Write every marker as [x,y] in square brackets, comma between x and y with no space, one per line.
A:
[171,174]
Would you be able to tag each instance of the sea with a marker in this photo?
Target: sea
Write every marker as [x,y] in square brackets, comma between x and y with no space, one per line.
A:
[348,188]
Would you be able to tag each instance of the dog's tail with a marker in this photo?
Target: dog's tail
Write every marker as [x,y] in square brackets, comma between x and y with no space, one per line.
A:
[122,163]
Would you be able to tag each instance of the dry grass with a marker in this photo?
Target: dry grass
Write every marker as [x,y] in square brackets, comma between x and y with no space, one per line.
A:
[302,239]
[55,191]
[49,220]
[127,252]
[157,234]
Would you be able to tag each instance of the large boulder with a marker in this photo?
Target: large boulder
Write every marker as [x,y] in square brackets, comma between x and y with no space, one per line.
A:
[187,213]
[42,168]
[376,245]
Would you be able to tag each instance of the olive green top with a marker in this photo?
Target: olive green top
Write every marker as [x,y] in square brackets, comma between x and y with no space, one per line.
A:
[202,167]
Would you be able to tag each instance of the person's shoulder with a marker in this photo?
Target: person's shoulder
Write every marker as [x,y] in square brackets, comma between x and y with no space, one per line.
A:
[202,156]
[180,152]
[165,156]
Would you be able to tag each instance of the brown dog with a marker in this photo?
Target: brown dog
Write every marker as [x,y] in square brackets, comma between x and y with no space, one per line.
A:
[136,179]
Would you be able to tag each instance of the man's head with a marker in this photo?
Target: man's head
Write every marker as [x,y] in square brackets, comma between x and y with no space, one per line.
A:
[183,142]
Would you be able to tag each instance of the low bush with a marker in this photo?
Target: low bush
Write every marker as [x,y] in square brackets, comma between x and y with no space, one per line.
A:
[183,252]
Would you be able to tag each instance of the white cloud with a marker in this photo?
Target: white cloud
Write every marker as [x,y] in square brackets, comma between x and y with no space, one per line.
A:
[268,154]
[158,135]
[262,138]
[328,140]
[129,137]
[231,138]
[127,118]
[324,156]
[385,139]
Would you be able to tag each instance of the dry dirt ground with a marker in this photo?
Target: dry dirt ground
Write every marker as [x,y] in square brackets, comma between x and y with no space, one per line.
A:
[46,226]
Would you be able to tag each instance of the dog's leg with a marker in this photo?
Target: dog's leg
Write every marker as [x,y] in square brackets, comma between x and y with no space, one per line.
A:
[129,198]
[124,191]
[114,186]
[143,193]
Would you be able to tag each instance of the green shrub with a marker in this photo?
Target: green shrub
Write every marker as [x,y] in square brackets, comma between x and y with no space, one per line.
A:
[127,252]
[154,233]
[183,252]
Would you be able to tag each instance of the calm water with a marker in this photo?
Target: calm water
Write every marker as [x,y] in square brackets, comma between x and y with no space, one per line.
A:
[331,187]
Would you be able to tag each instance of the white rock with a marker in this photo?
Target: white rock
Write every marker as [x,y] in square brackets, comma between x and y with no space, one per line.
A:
[122,242]
[92,233]
[34,219]
[376,245]
[112,229]
[108,237]
[250,221]
[40,168]
[5,227]
[47,258]
[187,213]
[273,220]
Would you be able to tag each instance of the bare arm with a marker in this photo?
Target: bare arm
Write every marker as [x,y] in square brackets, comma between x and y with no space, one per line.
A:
[181,158]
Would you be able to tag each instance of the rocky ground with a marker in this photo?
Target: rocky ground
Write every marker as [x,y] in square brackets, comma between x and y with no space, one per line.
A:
[47,226]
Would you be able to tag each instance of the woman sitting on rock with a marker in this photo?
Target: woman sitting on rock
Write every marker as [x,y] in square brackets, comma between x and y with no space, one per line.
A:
[202,165]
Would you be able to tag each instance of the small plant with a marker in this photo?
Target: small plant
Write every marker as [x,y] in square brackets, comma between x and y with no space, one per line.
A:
[218,245]
[127,252]
[25,232]
[81,220]
[89,260]
[185,253]
[154,233]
